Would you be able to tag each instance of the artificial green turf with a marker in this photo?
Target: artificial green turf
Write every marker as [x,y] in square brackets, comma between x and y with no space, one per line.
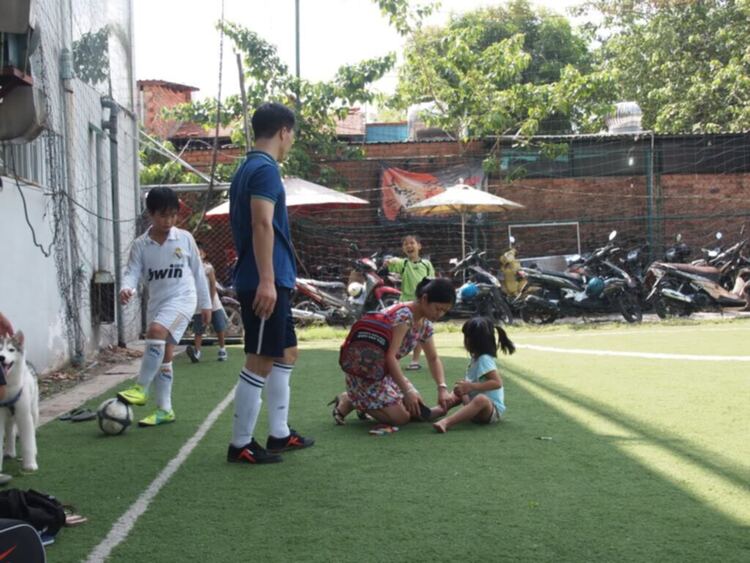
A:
[475,493]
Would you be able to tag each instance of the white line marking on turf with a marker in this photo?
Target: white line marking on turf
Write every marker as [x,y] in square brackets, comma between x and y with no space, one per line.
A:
[122,527]
[648,355]
[635,332]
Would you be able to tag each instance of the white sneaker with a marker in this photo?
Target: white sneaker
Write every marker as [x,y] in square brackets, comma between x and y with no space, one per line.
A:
[222,355]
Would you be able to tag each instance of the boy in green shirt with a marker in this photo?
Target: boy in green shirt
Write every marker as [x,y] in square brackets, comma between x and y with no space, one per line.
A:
[412,270]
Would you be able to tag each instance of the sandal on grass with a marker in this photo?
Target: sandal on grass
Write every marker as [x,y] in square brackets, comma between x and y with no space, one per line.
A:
[413,366]
[78,415]
[83,415]
[338,418]
[71,518]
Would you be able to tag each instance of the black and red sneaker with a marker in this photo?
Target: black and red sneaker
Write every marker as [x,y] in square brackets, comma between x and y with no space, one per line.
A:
[251,453]
[292,442]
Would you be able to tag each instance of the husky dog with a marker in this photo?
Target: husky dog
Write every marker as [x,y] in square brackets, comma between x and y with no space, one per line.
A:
[19,409]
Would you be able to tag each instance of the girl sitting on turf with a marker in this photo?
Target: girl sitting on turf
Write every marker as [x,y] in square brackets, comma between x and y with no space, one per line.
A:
[481,391]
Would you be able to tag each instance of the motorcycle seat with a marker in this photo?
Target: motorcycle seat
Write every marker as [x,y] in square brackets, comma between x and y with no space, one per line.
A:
[323,284]
[708,272]
[731,301]
[572,277]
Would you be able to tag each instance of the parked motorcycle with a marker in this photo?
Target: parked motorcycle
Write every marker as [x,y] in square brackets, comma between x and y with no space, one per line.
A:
[228,298]
[679,252]
[681,289]
[482,294]
[365,291]
[599,286]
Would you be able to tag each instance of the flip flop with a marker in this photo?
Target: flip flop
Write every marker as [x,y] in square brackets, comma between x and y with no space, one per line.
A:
[382,429]
[413,366]
[70,414]
[83,415]
[75,520]
[71,518]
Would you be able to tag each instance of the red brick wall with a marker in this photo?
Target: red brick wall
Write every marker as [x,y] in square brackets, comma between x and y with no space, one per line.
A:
[155,97]
[202,158]
[694,205]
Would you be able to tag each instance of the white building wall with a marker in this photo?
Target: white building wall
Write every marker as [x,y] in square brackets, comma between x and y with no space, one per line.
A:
[46,297]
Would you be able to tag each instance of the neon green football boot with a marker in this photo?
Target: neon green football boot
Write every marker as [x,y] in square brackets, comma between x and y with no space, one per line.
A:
[136,395]
[159,416]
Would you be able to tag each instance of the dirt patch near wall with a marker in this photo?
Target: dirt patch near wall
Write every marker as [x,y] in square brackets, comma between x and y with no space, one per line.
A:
[68,377]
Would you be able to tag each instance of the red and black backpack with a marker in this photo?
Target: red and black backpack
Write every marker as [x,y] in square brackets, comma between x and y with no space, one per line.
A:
[363,352]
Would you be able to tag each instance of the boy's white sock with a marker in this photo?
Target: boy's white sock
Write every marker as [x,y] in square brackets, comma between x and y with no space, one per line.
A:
[151,362]
[277,396]
[163,387]
[247,403]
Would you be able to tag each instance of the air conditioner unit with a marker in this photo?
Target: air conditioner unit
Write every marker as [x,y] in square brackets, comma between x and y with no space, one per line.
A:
[16,16]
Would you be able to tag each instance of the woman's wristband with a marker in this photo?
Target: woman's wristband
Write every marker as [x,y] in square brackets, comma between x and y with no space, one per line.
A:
[442,386]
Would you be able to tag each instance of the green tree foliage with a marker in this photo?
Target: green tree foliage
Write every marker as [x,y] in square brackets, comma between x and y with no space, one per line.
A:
[687,64]
[91,56]
[318,104]
[504,70]
[158,169]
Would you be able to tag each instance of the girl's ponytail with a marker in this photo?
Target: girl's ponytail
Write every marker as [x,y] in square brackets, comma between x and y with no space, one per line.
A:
[506,344]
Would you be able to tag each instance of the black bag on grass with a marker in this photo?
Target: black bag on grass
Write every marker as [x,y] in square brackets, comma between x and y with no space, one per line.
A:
[44,512]
[20,542]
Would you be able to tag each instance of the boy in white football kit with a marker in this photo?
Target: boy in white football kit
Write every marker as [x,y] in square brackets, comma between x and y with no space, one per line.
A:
[168,261]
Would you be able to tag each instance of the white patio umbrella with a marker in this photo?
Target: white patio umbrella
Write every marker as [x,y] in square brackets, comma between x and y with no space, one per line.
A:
[462,199]
[300,193]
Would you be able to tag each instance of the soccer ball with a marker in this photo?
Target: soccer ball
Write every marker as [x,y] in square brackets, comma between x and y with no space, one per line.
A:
[114,416]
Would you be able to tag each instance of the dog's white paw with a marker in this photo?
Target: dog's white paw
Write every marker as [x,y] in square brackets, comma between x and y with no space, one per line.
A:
[31,468]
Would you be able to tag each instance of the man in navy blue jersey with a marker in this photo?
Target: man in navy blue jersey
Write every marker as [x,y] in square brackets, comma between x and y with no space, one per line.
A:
[265,275]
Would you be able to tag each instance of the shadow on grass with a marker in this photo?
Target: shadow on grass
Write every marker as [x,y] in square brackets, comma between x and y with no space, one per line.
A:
[476,493]
[645,432]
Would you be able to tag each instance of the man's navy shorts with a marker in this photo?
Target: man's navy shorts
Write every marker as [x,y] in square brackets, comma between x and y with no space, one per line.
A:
[275,333]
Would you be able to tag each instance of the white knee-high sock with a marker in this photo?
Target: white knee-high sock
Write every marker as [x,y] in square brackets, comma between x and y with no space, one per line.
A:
[163,387]
[151,362]
[277,397]
[247,403]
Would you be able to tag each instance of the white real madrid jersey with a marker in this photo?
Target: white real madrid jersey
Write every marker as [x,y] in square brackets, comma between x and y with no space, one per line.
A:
[172,271]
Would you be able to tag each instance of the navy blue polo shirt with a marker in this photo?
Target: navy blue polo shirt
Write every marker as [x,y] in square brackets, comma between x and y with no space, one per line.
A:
[259,177]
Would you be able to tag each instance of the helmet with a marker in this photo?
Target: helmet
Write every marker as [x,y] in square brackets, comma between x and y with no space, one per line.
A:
[468,291]
[355,289]
[594,287]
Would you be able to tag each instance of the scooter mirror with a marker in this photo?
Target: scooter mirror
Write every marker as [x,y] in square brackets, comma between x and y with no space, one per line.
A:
[612,235]
[513,240]
[719,235]
[678,238]
[453,261]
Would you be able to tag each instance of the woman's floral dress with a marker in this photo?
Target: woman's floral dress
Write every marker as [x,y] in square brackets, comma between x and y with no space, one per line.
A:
[373,393]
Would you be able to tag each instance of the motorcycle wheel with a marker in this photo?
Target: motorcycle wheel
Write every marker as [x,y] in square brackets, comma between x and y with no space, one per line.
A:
[310,306]
[501,313]
[234,320]
[666,308]
[630,307]
[532,317]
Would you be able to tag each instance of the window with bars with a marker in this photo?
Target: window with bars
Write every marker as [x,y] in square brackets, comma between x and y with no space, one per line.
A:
[25,161]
